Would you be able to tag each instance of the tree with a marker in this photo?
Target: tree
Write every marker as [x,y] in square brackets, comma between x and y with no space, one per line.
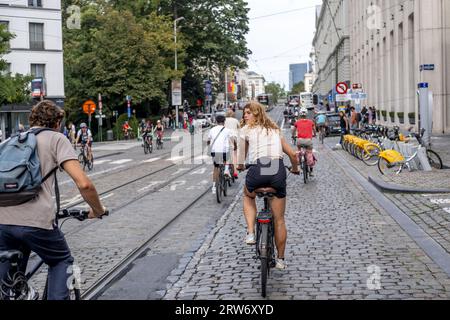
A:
[298,88]
[276,90]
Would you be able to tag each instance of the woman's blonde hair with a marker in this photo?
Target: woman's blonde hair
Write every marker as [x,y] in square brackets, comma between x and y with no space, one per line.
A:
[261,117]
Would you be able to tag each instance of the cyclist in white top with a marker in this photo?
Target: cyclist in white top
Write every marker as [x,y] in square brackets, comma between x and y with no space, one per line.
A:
[219,139]
[232,124]
[264,144]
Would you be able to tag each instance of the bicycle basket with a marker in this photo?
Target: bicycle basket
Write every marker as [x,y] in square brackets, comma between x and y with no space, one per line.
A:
[392,156]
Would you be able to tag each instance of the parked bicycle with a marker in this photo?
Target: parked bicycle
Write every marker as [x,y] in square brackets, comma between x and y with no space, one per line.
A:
[84,159]
[16,286]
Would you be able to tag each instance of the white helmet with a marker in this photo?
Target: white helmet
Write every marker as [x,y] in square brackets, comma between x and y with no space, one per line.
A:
[303,112]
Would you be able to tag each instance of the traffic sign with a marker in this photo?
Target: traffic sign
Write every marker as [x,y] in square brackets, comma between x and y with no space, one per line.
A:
[342,88]
[98,116]
[89,107]
[427,67]
[176,93]
[343,97]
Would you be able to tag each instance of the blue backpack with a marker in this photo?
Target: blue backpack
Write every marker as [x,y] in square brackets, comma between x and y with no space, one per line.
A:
[20,169]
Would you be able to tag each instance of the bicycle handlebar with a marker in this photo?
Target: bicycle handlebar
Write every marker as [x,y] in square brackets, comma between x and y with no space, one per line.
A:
[78,214]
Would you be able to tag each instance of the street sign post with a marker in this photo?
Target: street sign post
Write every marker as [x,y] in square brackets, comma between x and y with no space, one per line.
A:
[89,108]
[176,98]
[342,88]
[129,106]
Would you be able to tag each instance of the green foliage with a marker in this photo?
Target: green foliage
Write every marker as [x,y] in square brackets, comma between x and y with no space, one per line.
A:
[276,90]
[298,88]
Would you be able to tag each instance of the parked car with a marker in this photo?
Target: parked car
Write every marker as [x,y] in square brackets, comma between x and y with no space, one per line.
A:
[203,119]
[334,124]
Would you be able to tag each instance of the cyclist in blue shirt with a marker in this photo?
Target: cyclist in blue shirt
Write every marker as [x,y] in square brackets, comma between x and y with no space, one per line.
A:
[321,121]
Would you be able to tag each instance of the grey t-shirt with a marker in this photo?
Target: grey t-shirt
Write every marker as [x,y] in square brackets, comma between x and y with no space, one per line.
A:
[53,150]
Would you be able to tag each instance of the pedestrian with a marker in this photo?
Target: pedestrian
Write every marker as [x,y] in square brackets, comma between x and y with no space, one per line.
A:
[374,115]
[353,119]
[345,126]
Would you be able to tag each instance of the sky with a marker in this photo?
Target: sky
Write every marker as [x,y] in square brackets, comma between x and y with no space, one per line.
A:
[281,39]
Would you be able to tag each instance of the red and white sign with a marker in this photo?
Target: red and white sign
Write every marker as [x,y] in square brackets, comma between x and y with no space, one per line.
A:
[342,88]
[357,86]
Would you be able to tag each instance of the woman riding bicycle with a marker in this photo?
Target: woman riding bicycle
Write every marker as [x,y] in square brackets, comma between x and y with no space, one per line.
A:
[261,139]
[159,131]
[147,132]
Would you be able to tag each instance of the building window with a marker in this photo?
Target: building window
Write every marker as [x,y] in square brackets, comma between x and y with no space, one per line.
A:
[35,3]
[38,70]
[37,36]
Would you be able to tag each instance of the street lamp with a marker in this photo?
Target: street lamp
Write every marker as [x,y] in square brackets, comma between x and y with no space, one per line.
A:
[176,61]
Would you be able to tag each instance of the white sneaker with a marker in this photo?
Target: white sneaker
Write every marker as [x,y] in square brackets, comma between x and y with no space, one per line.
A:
[250,239]
[280,264]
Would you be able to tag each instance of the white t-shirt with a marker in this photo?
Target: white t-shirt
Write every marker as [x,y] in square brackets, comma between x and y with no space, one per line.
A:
[88,134]
[262,143]
[222,143]
[233,125]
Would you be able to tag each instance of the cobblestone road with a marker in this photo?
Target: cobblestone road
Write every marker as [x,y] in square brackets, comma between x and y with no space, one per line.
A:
[339,239]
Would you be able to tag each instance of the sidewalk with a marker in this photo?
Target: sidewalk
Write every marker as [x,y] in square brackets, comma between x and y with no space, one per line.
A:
[339,238]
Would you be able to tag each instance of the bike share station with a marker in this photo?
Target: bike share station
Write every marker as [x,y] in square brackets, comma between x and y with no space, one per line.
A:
[408,150]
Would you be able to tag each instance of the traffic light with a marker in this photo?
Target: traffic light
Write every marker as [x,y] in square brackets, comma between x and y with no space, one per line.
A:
[315,99]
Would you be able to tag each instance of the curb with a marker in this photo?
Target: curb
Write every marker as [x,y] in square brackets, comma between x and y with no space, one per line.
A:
[393,188]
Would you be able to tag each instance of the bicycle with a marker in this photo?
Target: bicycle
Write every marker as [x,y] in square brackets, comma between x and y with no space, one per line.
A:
[159,143]
[148,144]
[393,162]
[84,160]
[221,184]
[303,161]
[322,134]
[16,286]
[265,234]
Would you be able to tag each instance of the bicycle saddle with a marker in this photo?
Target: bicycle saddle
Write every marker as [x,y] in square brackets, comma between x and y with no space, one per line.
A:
[266,192]
[11,256]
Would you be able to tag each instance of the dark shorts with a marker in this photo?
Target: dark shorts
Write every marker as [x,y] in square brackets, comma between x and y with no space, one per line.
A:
[220,158]
[267,173]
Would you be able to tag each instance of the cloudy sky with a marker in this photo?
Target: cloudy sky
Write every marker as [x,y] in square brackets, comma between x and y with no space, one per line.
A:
[280,39]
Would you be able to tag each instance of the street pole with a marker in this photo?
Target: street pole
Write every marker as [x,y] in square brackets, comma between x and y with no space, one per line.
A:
[226,88]
[176,64]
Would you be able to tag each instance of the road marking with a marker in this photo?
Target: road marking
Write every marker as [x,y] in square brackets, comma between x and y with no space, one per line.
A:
[176,184]
[122,161]
[180,170]
[97,162]
[199,171]
[440,201]
[151,185]
[74,199]
[447,210]
[107,196]
[94,174]
[151,160]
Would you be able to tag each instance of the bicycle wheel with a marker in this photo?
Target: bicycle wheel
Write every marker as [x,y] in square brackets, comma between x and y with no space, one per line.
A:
[81,159]
[434,159]
[263,249]
[225,185]
[91,164]
[387,168]
[146,148]
[305,171]
[219,191]
[370,155]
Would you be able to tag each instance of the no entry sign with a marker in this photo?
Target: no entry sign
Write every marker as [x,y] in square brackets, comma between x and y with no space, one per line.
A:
[342,88]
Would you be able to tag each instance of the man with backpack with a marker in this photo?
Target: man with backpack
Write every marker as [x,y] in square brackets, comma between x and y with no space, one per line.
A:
[27,207]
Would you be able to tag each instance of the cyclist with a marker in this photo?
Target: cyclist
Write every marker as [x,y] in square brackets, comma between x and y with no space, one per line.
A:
[306,129]
[147,132]
[31,226]
[219,141]
[321,121]
[159,129]
[232,124]
[126,130]
[84,137]
[262,141]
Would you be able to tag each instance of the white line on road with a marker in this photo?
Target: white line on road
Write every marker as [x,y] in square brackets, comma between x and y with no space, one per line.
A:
[97,162]
[447,210]
[94,174]
[122,161]
[151,160]
[151,185]
[107,196]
